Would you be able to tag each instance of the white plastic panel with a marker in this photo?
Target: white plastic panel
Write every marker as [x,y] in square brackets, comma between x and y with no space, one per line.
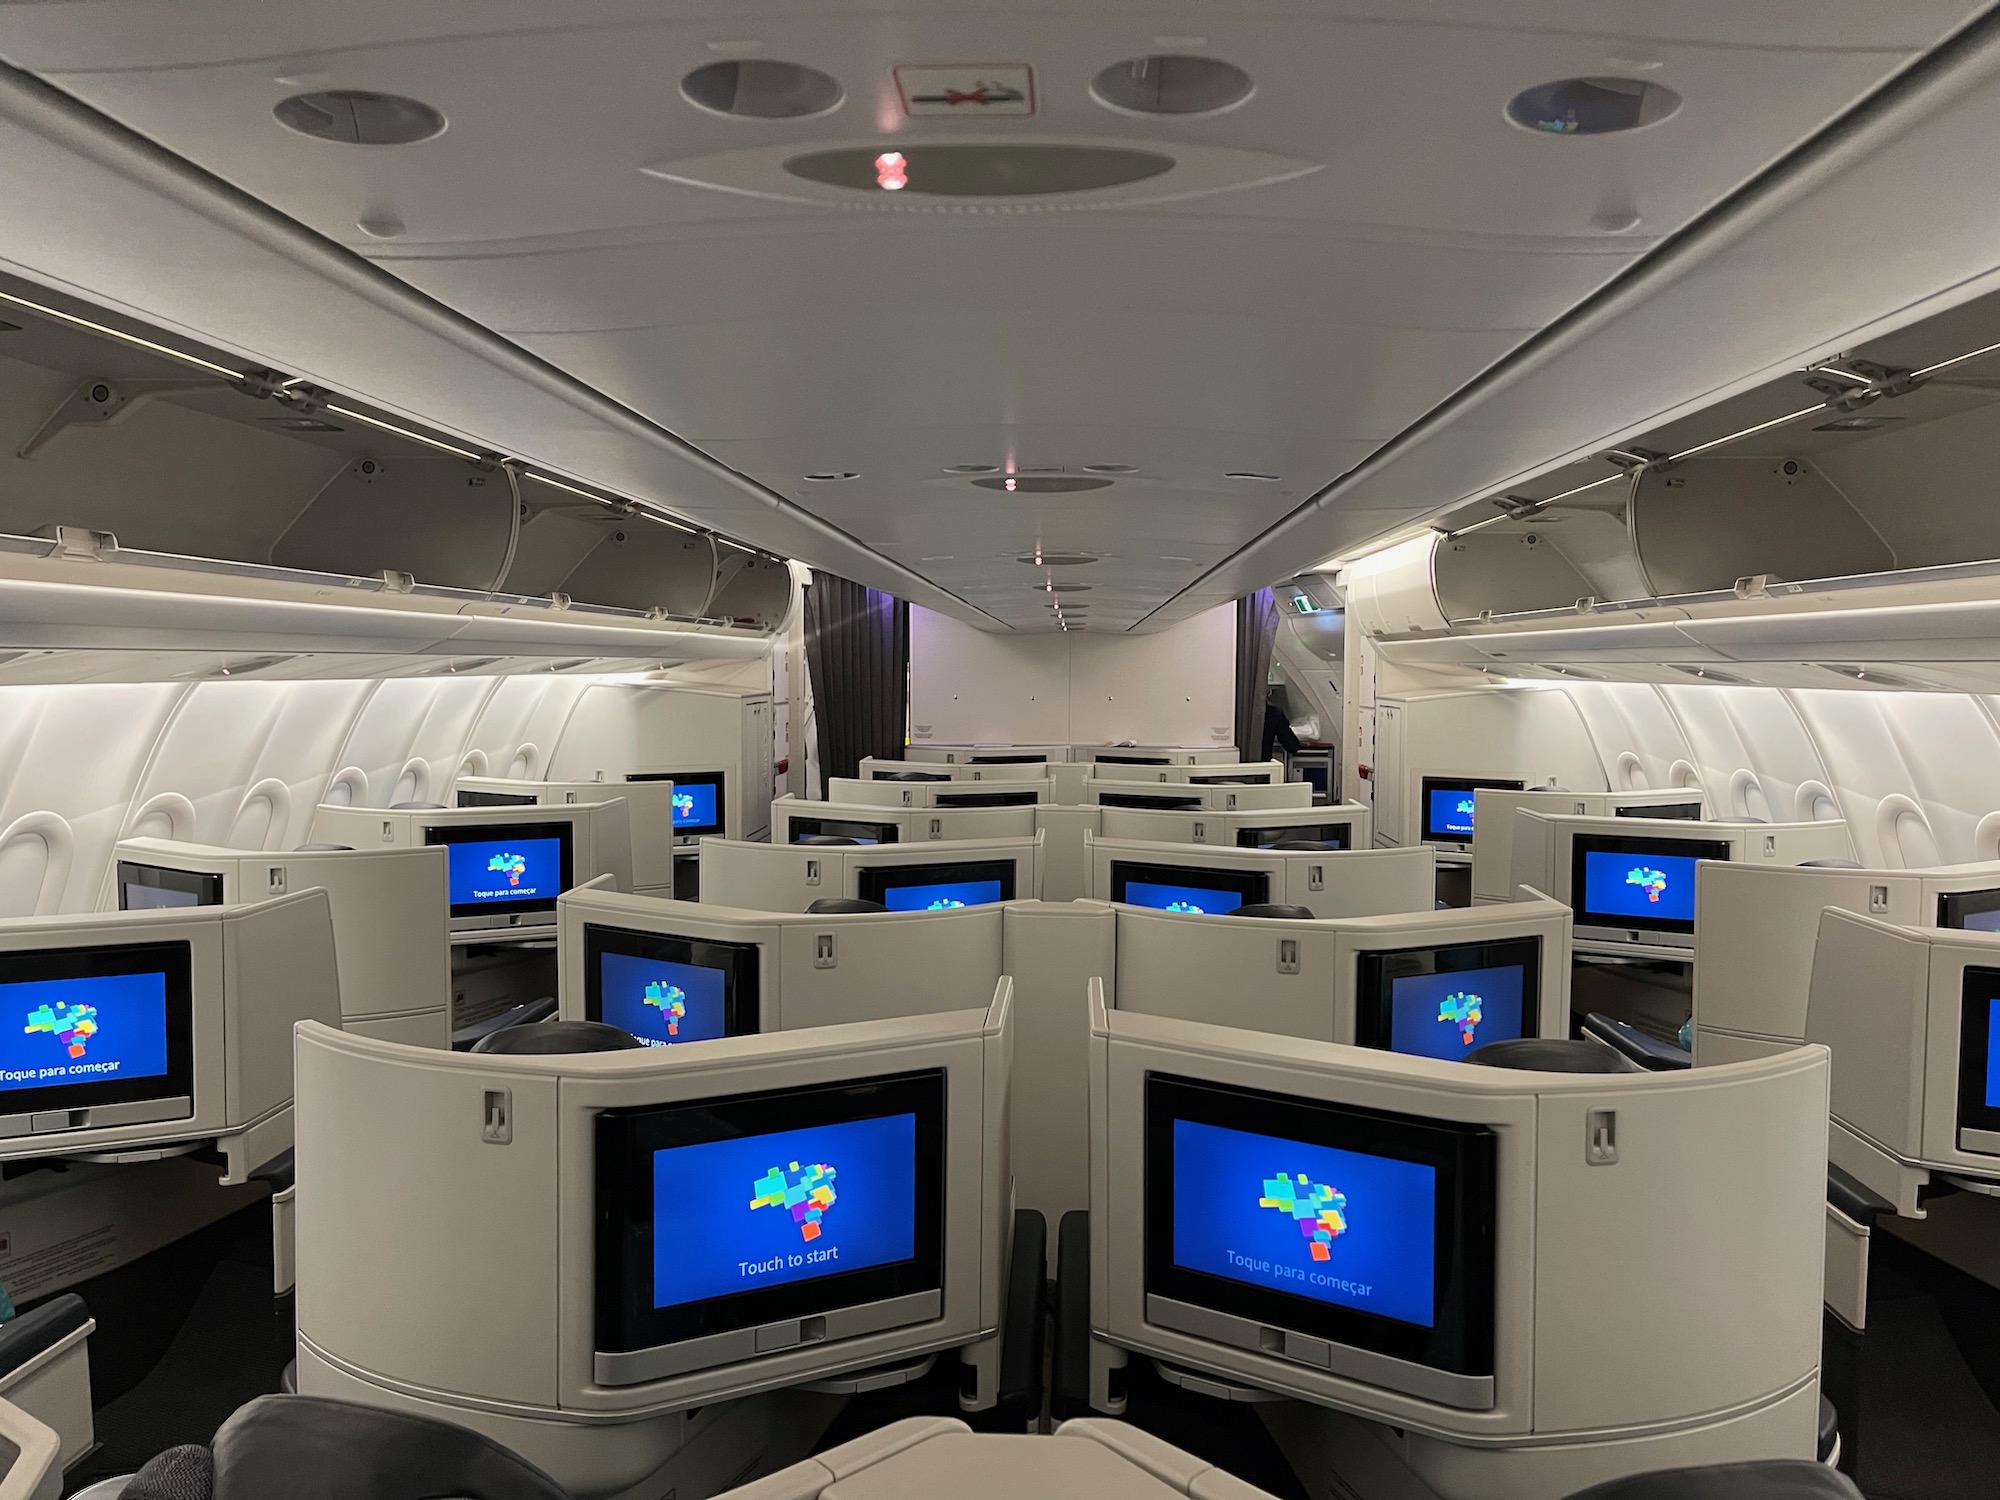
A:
[1636,736]
[1753,754]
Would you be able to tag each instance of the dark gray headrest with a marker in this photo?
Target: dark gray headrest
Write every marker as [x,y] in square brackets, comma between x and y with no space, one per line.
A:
[1274,909]
[416,807]
[1548,1054]
[324,849]
[824,839]
[547,1037]
[310,1448]
[839,906]
[1768,1479]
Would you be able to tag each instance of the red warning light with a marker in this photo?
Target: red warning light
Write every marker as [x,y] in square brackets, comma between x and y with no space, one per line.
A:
[892,173]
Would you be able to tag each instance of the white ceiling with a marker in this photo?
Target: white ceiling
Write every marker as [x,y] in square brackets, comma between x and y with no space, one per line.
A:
[1291,328]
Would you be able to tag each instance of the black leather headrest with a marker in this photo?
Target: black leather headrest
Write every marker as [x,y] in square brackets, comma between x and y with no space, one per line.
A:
[323,848]
[1549,1054]
[1319,845]
[824,839]
[546,1037]
[416,807]
[841,906]
[1274,909]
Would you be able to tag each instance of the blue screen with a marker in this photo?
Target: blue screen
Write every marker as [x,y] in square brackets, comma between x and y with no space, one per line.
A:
[1639,885]
[62,1031]
[660,1002]
[1180,897]
[767,1210]
[1338,1226]
[1993,1054]
[694,805]
[1982,921]
[498,872]
[941,897]
[1447,1015]
[1451,812]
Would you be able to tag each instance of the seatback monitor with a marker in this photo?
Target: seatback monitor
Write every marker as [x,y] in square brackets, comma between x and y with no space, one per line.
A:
[665,989]
[938,887]
[1363,1228]
[83,1028]
[1166,802]
[152,887]
[861,831]
[1007,760]
[1970,911]
[1688,812]
[728,1214]
[505,867]
[699,804]
[1644,883]
[985,799]
[1447,805]
[1979,1058]
[1333,835]
[469,797]
[1187,888]
[1445,1001]
[1132,760]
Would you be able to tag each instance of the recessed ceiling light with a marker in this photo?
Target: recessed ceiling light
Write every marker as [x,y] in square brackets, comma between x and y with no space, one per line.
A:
[832,476]
[1061,588]
[1110,468]
[972,469]
[1171,84]
[1592,106]
[1247,474]
[1043,557]
[356,117]
[1041,484]
[984,169]
[759,89]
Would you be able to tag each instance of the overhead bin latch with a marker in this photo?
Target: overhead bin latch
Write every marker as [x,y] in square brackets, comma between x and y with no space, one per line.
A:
[1850,384]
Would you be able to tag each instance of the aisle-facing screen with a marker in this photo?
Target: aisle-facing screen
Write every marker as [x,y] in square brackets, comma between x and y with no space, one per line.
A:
[157,887]
[1979,1062]
[1180,897]
[1366,1229]
[1187,888]
[732,1216]
[1645,883]
[1446,1000]
[1447,803]
[666,989]
[698,800]
[843,828]
[731,1213]
[503,867]
[937,887]
[1333,835]
[1970,911]
[95,1026]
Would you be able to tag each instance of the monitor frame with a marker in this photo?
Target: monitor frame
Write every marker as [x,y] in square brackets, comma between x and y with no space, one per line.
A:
[797,826]
[1253,886]
[1246,837]
[872,883]
[1153,801]
[626,1319]
[174,959]
[471,797]
[563,830]
[1465,1159]
[1953,907]
[717,779]
[740,963]
[1670,845]
[204,885]
[1376,970]
[1426,785]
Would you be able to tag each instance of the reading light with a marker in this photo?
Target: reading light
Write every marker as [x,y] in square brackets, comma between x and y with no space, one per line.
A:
[892,173]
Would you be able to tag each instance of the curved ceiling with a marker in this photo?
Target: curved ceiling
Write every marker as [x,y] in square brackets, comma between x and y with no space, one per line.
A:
[1290,325]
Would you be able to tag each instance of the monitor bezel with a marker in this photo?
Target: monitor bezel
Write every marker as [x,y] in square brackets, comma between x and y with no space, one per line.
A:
[174,958]
[1678,812]
[1246,838]
[626,1321]
[563,830]
[1151,801]
[204,885]
[873,883]
[1377,969]
[1669,845]
[717,779]
[740,963]
[1254,886]
[1955,906]
[799,826]
[986,799]
[1429,784]
[1465,1158]
[479,798]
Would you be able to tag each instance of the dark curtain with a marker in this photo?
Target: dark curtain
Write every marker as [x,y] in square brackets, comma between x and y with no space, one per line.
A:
[858,652]
[1256,638]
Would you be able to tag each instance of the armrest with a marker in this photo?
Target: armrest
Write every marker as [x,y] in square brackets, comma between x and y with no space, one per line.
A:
[35,1333]
[280,1172]
[1648,1052]
[1071,1394]
[1855,1198]
[1021,1341]
[525,1014]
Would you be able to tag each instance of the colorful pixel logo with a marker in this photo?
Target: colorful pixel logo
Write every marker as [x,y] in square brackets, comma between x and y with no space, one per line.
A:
[1182,906]
[944,903]
[806,1191]
[1320,1211]
[513,866]
[1465,808]
[1651,881]
[683,807]
[1461,1010]
[671,1001]
[72,1025]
